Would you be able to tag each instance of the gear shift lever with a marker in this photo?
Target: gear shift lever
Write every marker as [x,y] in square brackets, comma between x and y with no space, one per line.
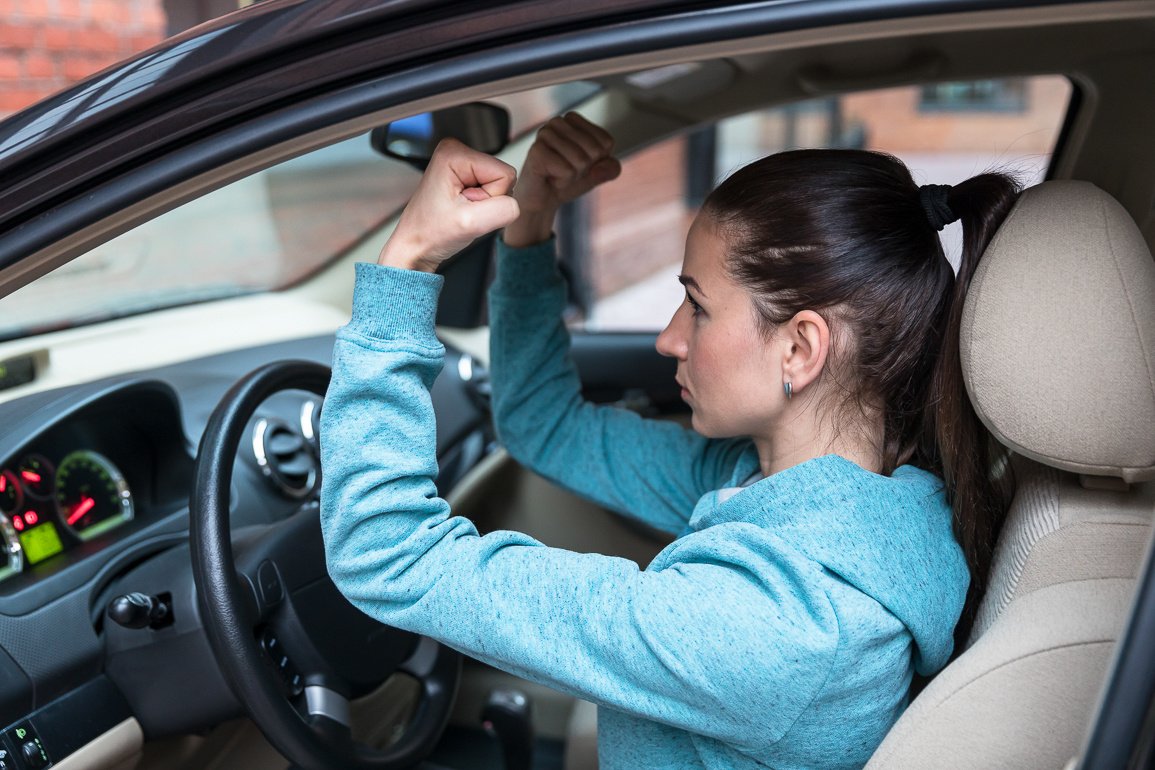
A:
[506,717]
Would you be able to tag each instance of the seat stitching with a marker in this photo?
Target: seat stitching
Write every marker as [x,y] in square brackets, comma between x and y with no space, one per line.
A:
[1127,296]
[1027,656]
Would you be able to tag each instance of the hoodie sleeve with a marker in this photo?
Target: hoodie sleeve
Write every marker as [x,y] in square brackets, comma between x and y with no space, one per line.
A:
[724,641]
[653,470]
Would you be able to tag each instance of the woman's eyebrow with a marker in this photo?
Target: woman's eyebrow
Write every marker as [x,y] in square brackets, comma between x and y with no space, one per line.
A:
[686,280]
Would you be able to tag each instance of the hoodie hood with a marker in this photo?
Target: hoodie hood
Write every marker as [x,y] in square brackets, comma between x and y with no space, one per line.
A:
[890,537]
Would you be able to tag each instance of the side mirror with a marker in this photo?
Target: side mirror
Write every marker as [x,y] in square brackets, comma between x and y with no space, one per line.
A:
[484,127]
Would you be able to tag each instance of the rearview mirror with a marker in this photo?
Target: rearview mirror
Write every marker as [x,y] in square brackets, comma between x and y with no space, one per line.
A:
[484,127]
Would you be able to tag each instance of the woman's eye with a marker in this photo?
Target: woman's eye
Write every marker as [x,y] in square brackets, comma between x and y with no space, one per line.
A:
[694,305]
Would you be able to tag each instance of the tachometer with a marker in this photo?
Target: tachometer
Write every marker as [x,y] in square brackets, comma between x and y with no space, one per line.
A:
[91,494]
[10,495]
[35,474]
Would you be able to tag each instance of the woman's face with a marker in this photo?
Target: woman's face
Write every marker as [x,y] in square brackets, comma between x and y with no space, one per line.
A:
[730,373]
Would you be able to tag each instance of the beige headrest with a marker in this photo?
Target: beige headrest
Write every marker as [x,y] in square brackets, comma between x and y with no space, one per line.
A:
[1058,334]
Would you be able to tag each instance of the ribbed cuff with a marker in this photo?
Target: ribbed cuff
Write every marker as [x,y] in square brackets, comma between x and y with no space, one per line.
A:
[390,303]
[526,270]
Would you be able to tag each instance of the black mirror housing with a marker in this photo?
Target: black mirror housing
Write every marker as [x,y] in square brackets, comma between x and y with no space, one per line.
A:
[482,126]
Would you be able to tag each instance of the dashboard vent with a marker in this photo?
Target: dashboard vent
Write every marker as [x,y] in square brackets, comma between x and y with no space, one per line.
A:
[476,379]
[285,458]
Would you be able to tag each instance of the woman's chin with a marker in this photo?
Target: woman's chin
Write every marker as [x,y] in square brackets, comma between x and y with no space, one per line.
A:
[701,425]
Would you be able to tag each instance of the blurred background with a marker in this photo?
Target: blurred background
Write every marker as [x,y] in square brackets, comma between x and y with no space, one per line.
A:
[46,45]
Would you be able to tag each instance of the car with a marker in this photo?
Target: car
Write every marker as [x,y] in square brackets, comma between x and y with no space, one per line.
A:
[177,236]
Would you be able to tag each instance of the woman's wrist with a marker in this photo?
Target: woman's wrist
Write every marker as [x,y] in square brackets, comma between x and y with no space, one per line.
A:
[401,253]
[531,228]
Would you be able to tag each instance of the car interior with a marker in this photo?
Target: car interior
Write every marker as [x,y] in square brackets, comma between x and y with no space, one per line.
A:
[1057,349]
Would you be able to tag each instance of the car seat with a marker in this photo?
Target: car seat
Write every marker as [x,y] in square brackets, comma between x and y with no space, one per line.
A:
[1058,349]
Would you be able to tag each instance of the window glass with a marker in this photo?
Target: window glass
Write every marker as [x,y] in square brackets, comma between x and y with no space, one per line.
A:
[264,232]
[945,133]
[982,95]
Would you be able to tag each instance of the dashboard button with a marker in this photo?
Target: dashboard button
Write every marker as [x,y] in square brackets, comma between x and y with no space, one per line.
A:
[30,752]
[34,755]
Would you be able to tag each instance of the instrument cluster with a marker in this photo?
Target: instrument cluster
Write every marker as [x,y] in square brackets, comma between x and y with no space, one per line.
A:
[49,506]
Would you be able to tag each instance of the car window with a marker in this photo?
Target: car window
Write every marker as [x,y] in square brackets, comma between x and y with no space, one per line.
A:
[631,233]
[265,232]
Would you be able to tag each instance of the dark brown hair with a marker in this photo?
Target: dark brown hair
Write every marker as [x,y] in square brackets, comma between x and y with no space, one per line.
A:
[844,233]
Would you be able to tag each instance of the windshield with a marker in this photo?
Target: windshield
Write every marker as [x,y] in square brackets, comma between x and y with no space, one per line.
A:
[265,232]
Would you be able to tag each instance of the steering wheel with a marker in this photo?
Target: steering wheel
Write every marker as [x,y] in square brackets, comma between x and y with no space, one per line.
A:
[292,649]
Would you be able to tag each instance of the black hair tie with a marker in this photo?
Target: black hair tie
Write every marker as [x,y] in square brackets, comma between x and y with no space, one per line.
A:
[933,198]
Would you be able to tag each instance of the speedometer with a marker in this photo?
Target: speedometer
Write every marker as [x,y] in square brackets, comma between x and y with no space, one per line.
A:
[91,494]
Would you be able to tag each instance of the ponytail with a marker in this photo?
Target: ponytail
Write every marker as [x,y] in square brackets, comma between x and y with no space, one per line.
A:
[978,477]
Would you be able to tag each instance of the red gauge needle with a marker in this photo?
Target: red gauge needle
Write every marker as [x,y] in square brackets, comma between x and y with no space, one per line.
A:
[30,476]
[82,508]
[3,483]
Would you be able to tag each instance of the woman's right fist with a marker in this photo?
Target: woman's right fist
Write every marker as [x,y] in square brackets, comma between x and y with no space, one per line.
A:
[464,194]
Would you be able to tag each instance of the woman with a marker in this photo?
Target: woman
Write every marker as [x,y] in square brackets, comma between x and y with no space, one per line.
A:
[815,569]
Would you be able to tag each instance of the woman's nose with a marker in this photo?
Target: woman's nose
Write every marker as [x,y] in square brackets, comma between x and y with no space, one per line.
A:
[672,342]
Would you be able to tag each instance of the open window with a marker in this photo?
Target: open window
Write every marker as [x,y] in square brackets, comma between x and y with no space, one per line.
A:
[626,238]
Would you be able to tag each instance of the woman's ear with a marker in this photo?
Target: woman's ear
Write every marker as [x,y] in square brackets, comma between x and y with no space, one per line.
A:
[808,338]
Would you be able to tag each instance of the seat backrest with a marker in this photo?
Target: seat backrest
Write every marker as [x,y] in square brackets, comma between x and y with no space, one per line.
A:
[1058,350]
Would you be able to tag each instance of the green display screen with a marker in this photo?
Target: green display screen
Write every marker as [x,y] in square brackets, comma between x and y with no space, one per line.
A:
[41,542]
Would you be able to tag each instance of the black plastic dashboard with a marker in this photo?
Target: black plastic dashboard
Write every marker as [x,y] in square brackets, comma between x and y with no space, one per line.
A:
[103,474]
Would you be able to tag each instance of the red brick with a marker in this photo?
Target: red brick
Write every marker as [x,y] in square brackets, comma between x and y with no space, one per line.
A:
[12,101]
[57,38]
[72,9]
[9,67]
[17,36]
[37,65]
[30,9]
[102,61]
[144,42]
[77,67]
[95,39]
[117,13]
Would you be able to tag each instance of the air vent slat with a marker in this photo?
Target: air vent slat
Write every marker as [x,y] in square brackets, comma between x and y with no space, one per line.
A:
[296,466]
[282,443]
[286,458]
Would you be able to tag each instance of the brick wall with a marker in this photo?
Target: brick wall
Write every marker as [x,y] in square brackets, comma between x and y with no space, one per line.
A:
[47,45]
[895,123]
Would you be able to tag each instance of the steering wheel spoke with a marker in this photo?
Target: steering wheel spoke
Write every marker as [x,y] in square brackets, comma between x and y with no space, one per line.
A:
[321,701]
[280,615]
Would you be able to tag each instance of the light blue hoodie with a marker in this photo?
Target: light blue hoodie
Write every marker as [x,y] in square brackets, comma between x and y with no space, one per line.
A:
[779,630]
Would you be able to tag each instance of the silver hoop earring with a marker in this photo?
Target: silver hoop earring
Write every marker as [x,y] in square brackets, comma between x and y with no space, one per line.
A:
[789,388]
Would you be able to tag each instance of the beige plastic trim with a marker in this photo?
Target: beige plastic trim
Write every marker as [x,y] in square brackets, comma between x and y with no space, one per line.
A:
[88,353]
[113,749]
[475,342]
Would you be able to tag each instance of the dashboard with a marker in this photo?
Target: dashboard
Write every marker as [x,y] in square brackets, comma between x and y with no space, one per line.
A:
[82,484]
[84,496]
[94,505]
